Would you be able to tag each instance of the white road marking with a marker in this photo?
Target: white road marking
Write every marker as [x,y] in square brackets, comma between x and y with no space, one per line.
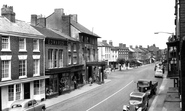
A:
[109,96]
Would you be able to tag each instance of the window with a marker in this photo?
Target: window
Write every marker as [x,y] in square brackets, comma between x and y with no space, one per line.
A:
[22,44]
[74,47]
[11,92]
[55,58]
[5,69]
[36,67]
[18,91]
[38,87]
[5,43]
[35,45]
[74,58]
[50,58]
[22,68]
[69,47]
[30,104]
[69,59]
[60,54]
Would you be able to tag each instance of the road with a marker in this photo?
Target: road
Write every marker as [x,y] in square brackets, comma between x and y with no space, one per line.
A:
[110,96]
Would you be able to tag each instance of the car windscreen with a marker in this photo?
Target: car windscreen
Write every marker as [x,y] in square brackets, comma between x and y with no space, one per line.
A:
[135,99]
[16,105]
[143,83]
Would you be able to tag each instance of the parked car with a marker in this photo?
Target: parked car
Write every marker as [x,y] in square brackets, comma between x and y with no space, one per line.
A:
[158,73]
[27,105]
[147,86]
[138,102]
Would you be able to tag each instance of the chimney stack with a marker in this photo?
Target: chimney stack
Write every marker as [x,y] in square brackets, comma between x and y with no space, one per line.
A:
[120,45]
[110,43]
[104,41]
[7,11]
[124,45]
[74,17]
[41,21]
[34,19]
[130,46]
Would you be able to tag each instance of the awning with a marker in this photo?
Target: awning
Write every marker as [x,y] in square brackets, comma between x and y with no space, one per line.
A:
[18,81]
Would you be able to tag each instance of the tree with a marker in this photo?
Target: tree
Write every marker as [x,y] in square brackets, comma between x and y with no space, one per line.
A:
[121,61]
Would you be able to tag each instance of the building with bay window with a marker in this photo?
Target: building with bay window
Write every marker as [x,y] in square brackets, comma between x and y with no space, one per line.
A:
[22,73]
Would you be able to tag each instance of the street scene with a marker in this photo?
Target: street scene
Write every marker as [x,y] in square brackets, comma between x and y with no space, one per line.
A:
[92,56]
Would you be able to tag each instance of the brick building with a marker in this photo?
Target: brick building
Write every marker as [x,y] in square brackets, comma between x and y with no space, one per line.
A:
[22,74]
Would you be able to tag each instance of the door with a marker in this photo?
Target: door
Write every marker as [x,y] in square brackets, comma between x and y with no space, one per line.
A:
[27,90]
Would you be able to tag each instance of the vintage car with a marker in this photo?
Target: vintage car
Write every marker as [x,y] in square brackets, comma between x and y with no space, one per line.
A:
[138,102]
[147,86]
[159,73]
[27,105]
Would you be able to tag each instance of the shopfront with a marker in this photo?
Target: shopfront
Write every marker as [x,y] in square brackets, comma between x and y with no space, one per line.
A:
[63,80]
[95,70]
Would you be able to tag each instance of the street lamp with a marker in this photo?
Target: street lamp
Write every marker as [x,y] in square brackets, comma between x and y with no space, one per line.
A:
[164,32]
[172,38]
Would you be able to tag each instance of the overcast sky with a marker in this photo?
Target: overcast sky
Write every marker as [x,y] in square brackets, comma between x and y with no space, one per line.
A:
[132,22]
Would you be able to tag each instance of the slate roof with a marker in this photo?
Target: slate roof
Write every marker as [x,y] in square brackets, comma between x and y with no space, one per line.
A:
[64,35]
[53,33]
[19,28]
[48,33]
[103,44]
[83,29]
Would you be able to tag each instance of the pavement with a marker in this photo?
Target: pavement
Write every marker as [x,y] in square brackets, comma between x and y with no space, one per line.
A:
[72,94]
[167,98]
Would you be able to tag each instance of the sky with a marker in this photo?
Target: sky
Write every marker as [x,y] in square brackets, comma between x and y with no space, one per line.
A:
[131,22]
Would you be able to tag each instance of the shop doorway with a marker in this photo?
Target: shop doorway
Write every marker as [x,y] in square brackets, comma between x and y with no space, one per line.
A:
[27,90]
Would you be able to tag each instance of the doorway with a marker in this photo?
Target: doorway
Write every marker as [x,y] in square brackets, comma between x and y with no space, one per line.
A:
[27,90]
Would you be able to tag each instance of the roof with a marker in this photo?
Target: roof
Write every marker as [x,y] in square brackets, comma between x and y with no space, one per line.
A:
[49,33]
[22,101]
[83,29]
[144,80]
[103,44]
[137,94]
[64,35]
[19,28]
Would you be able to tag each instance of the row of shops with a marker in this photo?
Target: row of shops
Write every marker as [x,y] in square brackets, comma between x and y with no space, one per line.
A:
[64,80]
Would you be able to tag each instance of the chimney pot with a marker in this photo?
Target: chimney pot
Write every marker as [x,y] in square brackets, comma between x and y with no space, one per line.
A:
[7,11]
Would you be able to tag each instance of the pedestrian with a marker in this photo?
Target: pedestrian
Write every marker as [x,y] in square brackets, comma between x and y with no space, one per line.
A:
[90,81]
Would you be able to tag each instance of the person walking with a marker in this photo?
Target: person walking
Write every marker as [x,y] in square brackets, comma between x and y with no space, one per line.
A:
[90,81]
